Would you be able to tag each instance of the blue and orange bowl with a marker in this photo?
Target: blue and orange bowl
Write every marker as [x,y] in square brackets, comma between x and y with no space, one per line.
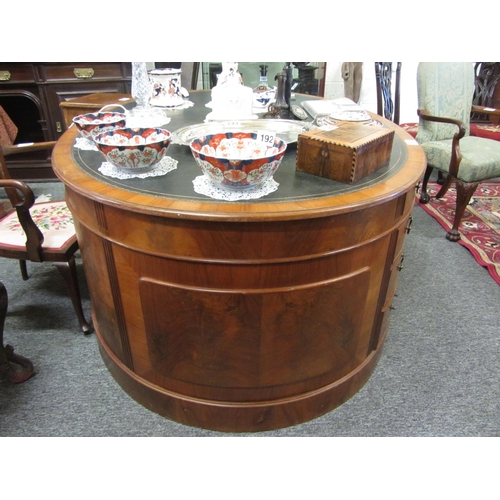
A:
[238,160]
[91,124]
[134,149]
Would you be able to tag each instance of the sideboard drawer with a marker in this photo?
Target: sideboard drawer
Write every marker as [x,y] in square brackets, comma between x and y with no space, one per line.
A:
[16,73]
[82,71]
[31,92]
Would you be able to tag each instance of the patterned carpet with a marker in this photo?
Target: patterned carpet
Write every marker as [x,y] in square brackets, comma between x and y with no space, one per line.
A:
[480,225]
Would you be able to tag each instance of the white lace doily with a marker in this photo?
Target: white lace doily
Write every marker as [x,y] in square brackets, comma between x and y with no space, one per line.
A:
[149,117]
[203,186]
[163,167]
[86,144]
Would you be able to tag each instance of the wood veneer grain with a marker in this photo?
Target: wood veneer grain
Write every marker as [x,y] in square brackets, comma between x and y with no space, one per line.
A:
[240,316]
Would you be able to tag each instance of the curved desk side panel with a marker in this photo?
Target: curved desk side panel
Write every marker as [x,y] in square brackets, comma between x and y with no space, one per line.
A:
[241,326]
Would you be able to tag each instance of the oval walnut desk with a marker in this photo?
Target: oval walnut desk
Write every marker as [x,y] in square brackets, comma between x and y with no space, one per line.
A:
[240,316]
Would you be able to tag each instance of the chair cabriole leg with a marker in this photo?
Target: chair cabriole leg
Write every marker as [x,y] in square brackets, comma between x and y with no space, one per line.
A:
[24,270]
[424,195]
[68,272]
[465,190]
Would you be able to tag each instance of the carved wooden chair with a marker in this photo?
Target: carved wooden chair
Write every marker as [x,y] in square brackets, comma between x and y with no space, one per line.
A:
[388,100]
[486,94]
[445,92]
[39,232]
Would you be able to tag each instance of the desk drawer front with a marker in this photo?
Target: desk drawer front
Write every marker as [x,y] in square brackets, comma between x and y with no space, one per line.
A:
[82,71]
[10,73]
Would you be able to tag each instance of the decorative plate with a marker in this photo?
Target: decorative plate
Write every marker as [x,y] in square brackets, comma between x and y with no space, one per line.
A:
[286,130]
[351,116]
[299,112]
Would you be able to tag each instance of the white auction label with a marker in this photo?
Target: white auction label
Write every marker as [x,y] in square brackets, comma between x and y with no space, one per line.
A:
[266,136]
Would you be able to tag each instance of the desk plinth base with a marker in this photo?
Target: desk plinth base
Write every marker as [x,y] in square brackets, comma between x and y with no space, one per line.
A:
[242,327]
[244,416]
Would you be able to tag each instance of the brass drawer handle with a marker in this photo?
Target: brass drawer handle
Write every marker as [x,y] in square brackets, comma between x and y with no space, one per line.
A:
[4,76]
[408,227]
[400,266]
[83,72]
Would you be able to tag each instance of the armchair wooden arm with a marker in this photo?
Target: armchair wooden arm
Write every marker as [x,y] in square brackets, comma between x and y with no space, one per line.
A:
[425,115]
[456,156]
[484,110]
[34,237]
[28,147]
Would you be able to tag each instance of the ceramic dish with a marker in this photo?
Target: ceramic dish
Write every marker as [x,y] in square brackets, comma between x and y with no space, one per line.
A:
[237,160]
[299,112]
[326,121]
[351,116]
[91,124]
[286,130]
[134,149]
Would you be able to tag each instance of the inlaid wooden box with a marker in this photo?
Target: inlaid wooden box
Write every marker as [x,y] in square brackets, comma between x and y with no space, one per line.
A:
[345,154]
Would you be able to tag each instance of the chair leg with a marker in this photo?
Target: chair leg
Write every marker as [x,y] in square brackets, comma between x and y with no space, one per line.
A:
[465,190]
[424,195]
[444,188]
[8,360]
[24,270]
[68,272]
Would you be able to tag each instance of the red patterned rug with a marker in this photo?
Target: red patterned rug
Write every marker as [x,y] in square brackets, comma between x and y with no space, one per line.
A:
[480,225]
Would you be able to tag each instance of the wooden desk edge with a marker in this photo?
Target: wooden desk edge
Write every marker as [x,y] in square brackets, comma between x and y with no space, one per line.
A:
[79,181]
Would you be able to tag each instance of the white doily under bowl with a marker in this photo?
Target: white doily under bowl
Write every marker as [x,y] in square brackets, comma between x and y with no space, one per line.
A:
[85,144]
[163,167]
[202,185]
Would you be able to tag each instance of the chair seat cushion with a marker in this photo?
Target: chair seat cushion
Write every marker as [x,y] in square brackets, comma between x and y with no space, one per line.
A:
[480,157]
[486,130]
[53,219]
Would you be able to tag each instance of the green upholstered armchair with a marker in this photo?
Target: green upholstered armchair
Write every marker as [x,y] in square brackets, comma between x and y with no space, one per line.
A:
[445,92]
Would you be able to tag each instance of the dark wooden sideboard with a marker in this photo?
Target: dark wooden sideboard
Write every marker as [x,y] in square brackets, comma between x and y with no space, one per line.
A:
[31,94]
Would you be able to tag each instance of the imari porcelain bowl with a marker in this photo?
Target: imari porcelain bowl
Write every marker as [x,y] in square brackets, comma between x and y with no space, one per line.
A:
[91,124]
[134,149]
[237,160]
